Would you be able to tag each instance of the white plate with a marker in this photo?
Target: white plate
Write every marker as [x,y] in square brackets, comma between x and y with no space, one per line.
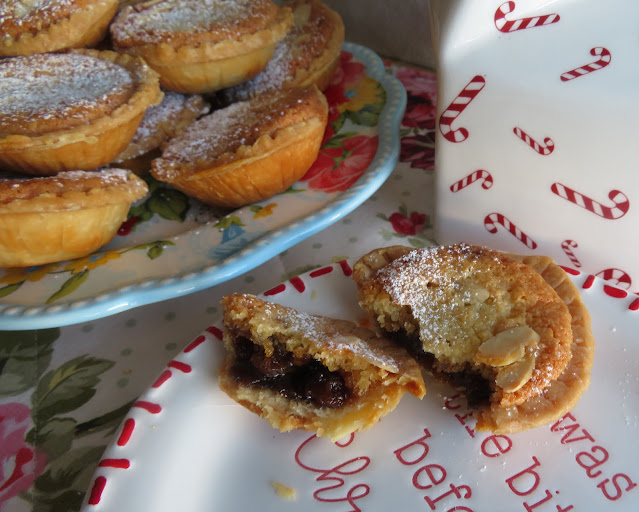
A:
[165,259]
[186,446]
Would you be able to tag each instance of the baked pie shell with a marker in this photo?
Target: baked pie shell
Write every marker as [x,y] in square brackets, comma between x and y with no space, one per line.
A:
[204,67]
[70,224]
[88,146]
[269,166]
[84,27]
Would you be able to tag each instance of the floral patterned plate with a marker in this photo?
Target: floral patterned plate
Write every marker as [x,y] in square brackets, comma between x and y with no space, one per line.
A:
[184,445]
[171,246]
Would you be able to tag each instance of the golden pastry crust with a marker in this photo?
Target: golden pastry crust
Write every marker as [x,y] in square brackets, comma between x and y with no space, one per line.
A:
[100,95]
[203,45]
[163,122]
[70,215]
[300,371]
[456,302]
[308,54]
[37,26]
[248,151]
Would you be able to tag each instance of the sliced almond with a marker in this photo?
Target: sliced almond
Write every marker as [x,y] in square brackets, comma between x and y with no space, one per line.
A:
[507,347]
[512,377]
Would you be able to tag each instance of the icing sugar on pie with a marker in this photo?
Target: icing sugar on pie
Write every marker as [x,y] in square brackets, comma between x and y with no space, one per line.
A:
[70,215]
[201,45]
[72,111]
[39,26]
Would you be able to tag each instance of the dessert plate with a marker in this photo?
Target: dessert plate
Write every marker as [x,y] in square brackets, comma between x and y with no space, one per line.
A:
[185,445]
[171,246]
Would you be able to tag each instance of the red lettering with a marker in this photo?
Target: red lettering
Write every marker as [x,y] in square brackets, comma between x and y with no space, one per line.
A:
[334,476]
[495,445]
[460,508]
[471,431]
[589,462]
[562,509]
[618,490]
[453,490]
[436,475]
[415,445]
[571,430]
[448,403]
[529,471]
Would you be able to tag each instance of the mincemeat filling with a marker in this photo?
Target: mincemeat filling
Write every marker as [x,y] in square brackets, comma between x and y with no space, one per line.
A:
[301,379]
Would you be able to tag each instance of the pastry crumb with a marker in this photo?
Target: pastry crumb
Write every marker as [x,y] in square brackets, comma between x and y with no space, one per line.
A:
[284,491]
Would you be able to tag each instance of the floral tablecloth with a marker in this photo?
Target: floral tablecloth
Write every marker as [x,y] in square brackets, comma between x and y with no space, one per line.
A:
[64,391]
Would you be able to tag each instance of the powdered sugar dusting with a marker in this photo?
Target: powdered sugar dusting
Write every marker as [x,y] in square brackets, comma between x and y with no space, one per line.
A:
[225,130]
[52,85]
[152,21]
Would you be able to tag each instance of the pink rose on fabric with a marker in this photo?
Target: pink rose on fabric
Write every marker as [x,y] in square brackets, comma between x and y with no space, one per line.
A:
[336,169]
[20,465]
[408,225]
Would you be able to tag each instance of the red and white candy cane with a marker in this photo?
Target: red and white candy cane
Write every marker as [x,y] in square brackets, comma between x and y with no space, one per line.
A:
[617,277]
[456,107]
[545,149]
[620,201]
[479,174]
[568,246]
[504,25]
[603,60]
[492,221]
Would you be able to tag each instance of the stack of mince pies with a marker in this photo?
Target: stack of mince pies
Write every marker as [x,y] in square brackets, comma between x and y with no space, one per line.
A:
[221,99]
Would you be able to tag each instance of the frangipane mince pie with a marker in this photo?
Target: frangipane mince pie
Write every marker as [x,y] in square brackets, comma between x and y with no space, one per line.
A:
[248,151]
[511,331]
[201,46]
[308,54]
[40,26]
[300,371]
[71,111]
[70,215]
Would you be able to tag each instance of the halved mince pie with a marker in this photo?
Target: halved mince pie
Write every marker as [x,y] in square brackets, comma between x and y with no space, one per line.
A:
[511,331]
[39,26]
[71,111]
[70,215]
[300,371]
[201,46]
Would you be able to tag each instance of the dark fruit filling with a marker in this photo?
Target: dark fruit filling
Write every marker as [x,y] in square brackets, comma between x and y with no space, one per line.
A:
[302,379]
[475,387]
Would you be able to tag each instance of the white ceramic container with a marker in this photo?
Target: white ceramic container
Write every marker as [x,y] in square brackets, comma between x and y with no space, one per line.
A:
[538,138]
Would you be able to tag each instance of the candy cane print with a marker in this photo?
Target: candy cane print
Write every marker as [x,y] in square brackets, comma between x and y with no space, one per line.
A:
[602,62]
[617,277]
[456,107]
[479,174]
[492,221]
[619,199]
[541,149]
[568,246]
[503,25]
